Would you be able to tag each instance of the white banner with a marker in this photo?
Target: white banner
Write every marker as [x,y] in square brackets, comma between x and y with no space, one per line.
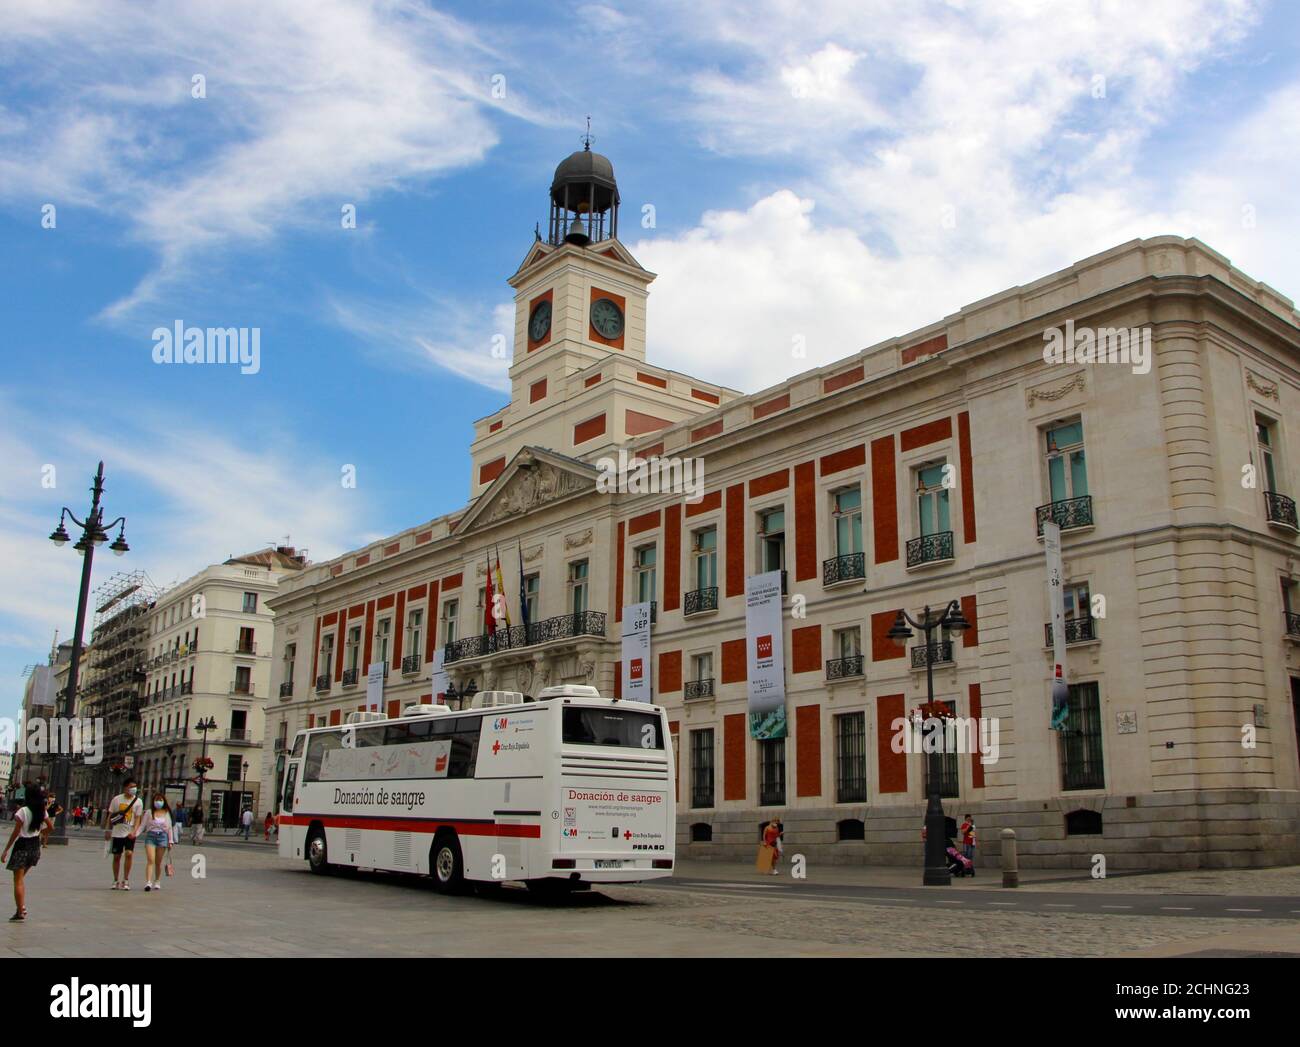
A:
[439,679]
[375,687]
[636,653]
[765,655]
[1060,689]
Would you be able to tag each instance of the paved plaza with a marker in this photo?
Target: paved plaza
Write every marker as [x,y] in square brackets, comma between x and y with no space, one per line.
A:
[251,902]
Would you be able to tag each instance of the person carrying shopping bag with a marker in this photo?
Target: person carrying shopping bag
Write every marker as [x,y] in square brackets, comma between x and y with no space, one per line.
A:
[156,826]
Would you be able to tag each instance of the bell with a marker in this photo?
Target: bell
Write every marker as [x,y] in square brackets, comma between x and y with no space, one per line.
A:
[577,234]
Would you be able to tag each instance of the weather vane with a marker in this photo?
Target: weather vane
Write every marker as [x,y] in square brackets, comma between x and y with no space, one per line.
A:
[587,138]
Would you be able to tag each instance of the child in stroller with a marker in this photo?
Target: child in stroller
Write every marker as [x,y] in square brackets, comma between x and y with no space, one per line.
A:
[958,863]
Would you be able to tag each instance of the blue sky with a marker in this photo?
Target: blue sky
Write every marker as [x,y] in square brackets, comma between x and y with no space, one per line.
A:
[841,172]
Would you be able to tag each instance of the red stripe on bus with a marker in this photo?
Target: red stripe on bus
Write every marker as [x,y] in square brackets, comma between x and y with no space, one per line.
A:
[418,825]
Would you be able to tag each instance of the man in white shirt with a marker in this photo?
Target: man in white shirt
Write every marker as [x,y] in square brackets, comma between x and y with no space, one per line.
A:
[246,820]
[121,824]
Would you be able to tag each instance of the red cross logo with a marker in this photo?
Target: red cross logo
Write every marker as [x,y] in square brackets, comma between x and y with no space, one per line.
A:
[496,748]
[627,834]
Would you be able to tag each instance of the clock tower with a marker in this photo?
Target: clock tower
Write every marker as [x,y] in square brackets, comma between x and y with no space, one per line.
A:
[579,380]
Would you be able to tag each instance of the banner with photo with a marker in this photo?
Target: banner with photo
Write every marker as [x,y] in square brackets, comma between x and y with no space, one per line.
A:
[1056,604]
[375,687]
[765,655]
[635,666]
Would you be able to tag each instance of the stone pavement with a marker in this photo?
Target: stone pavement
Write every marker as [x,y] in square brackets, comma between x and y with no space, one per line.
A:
[250,902]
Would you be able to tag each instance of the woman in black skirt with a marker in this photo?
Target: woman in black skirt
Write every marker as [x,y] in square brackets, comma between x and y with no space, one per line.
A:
[31,825]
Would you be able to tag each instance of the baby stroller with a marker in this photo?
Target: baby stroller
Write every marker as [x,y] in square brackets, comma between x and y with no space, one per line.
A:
[958,863]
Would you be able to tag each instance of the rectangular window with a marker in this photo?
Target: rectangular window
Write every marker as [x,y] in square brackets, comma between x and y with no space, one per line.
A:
[1080,740]
[246,645]
[234,765]
[578,587]
[932,499]
[352,652]
[383,635]
[325,662]
[630,730]
[851,758]
[450,620]
[644,561]
[532,582]
[1067,470]
[771,772]
[414,631]
[702,768]
[250,603]
[704,553]
[290,654]
[1266,441]
[702,666]
[948,773]
[771,540]
[848,642]
[848,521]
[243,679]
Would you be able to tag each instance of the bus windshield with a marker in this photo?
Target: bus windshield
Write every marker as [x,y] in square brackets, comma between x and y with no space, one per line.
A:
[636,730]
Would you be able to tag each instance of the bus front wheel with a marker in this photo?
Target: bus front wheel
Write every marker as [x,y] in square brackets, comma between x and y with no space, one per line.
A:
[448,866]
[318,853]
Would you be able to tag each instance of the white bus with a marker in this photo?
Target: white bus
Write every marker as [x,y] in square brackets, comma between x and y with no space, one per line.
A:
[559,792]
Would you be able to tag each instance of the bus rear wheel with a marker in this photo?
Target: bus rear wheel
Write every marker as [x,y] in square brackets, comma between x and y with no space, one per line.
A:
[318,853]
[448,867]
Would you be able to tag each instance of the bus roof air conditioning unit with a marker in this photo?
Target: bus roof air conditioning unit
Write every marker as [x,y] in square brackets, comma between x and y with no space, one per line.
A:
[365,717]
[426,709]
[492,699]
[570,690]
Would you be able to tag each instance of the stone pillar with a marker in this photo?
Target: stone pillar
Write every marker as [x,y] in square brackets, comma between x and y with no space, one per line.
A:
[1010,863]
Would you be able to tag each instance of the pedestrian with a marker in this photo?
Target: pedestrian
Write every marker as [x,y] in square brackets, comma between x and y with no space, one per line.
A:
[157,829]
[246,821]
[178,824]
[32,826]
[267,823]
[121,822]
[968,838]
[196,825]
[771,845]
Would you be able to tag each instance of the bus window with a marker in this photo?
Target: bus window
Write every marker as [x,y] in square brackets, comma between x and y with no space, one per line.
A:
[464,732]
[397,734]
[290,780]
[368,736]
[319,745]
[299,741]
[584,726]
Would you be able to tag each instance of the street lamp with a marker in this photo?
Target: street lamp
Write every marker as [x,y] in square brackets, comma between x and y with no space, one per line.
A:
[465,694]
[936,862]
[203,727]
[93,533]
[243,788]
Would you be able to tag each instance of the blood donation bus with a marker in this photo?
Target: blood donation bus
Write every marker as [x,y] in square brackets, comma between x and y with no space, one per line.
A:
[561,791]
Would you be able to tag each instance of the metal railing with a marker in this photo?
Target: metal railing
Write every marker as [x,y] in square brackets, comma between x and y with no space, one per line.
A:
[929,548]
[350,677]
[843,668]
[844,568]
[939,652]
[237,688]
[1280,510]
[249,647]
[239,734]
[286,689]
[1077,630]
[698,689]
[700,600]
[187,687]
[561,627]
[323,682]
[1292,624]
[411,663]
[1069,513]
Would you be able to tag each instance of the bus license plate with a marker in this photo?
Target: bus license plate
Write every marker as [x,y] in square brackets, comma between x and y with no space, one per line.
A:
[614,863]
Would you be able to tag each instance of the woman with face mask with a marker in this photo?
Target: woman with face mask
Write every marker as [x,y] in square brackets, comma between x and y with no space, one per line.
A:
[157,828]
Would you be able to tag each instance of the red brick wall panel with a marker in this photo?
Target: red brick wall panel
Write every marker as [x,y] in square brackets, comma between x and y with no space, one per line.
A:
[806,649]
[670,672]
[808,749]
[884,499]
[733,757]
[672,557]
[733,661]
[892,765]
[805,522]
[735,551]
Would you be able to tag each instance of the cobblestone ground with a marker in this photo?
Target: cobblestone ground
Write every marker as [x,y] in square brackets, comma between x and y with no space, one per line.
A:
[1282,881]
[250,902]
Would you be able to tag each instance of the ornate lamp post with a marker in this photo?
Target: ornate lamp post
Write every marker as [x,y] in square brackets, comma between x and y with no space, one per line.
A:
[936,863]
[93,533]
[463,695]
[243,788]
[203,727]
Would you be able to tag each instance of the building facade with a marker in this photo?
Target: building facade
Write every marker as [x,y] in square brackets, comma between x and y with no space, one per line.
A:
[208,662]
[913,473]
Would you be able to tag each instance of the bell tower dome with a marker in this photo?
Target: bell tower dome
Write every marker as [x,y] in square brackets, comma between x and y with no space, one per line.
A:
[584,199]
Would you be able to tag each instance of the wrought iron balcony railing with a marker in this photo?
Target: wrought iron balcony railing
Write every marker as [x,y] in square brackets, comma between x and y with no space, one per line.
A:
[350,677]
[286,689]
[246,647]
[843,568]
[240,688]
[187,687]
[698,689]
[1069,513]
[323,682]
[561,627]
[843,668]
[1280,510]
[1077,630]
[700,600]
[940,653]
[1293,624]
[929,548]
[411,663]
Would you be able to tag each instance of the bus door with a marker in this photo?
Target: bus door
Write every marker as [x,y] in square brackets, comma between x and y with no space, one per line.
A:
[290,843]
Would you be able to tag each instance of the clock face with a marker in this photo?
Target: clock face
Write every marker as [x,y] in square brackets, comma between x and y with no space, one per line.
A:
[540,322]
[606,318]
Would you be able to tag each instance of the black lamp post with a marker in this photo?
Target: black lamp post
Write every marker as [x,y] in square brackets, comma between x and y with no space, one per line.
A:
[93,533]
[936,862]
[243,788]
[203,727]
[463,695]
